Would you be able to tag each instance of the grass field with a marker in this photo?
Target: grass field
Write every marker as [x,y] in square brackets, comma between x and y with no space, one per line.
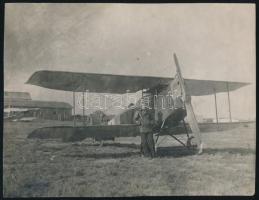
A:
[43,168]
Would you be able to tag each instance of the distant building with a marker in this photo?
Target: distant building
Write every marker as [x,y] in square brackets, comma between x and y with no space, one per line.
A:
[17,96]
[20,102]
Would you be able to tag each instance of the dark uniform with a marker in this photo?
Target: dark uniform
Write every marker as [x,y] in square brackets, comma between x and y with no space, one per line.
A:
[146,119]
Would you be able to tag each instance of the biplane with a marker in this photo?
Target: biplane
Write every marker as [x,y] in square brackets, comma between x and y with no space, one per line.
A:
[119,84]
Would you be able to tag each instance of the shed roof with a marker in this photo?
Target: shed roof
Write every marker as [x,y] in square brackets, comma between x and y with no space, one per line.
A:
[17,95]
[36,104]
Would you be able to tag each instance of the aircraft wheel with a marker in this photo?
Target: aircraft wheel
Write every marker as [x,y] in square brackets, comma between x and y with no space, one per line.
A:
[190,143]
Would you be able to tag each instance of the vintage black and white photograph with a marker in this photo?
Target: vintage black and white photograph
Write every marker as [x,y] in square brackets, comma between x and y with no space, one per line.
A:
[126,100]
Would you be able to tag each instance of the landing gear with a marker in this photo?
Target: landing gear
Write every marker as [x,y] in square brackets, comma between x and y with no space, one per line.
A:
[190,144]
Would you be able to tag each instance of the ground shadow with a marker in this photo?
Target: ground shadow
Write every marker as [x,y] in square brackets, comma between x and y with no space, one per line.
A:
[133,146]
[174,151]
[103,155]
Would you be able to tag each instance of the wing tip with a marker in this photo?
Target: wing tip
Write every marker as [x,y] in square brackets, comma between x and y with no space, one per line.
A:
[243,84]
[30,79]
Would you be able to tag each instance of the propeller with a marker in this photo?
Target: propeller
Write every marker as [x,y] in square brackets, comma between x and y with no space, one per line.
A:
[190,113]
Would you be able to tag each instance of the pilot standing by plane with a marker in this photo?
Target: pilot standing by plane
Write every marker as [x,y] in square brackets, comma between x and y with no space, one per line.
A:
[145,117]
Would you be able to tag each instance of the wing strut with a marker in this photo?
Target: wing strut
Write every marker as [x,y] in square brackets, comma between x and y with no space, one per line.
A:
[83,93]
[216,108]
[74,110]
[190,113]
[229,106]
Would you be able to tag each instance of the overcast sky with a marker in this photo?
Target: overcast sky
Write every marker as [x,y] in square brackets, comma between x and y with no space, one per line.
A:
[212,41]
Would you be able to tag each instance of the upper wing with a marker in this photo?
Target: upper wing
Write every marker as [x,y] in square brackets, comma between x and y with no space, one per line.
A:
[207,87]
[99,83]
[119,84]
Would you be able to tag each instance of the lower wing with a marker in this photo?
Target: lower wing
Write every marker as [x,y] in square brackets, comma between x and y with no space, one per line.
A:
[72,134]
